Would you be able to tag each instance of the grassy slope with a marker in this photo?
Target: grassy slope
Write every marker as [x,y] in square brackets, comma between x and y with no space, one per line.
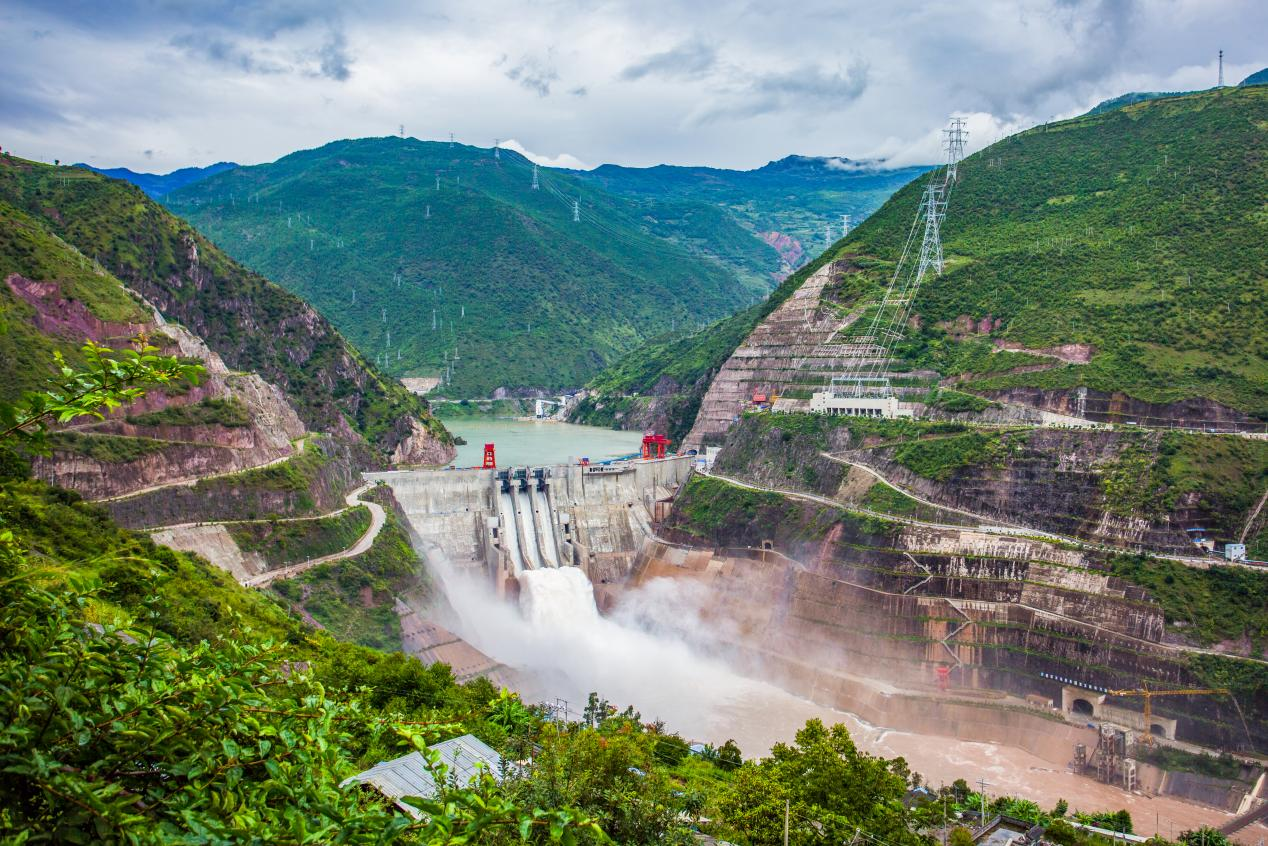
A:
[28,248]
[353,598]
[292,541]
[54,222]
[1141,231]
[547,301]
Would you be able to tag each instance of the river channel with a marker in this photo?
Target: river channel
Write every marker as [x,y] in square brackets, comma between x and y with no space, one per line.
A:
[536,442]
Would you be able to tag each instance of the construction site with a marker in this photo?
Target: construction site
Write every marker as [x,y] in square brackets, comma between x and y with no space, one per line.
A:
[980,626]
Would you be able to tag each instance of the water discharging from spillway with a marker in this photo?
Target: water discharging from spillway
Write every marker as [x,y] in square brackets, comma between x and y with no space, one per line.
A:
[565,649]
[557,599]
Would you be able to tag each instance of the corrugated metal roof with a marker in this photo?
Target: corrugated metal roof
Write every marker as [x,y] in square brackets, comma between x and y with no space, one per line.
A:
[408,775]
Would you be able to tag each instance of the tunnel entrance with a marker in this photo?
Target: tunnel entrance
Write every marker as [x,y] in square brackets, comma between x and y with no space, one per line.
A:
[1082,706]
[1157,730]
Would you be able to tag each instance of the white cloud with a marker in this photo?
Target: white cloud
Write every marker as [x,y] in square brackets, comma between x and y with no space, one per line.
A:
[628,82]
[561,160]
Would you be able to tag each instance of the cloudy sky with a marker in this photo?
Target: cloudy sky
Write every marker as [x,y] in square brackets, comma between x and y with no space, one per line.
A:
[160,84]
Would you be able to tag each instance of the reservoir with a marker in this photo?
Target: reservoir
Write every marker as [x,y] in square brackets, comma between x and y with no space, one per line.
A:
[535,442]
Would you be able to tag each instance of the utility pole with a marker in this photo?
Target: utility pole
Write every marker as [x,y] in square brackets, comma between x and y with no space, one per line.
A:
[535,185]
[787,808]
[982,784]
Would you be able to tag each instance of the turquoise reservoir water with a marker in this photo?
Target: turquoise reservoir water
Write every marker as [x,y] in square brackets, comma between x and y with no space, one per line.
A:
[521,443]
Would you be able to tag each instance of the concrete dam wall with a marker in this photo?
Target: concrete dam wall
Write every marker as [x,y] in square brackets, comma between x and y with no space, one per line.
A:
[511,520]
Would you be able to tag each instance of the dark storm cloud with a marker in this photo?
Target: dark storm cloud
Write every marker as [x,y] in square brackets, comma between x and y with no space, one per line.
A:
[535,73]
[688,60]
[335,60]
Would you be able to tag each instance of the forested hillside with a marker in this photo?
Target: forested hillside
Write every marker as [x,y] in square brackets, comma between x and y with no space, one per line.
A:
[791,203]
[1140,233]
[428,255]
[77,239]
[1127,250]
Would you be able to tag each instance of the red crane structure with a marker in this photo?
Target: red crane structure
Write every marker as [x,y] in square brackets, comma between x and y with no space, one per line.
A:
[654,446]
[490,461]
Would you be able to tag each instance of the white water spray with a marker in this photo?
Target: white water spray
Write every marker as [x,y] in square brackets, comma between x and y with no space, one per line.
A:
[557,599]
[565,649]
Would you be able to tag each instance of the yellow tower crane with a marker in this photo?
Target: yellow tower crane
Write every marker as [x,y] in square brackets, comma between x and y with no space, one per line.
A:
[1147,736]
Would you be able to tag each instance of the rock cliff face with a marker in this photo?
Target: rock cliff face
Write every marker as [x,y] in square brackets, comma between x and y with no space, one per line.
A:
[312,481]
[414,445]
[1131,490]
[166,436]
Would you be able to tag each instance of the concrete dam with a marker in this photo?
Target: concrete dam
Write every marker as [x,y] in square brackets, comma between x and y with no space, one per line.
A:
[507,522]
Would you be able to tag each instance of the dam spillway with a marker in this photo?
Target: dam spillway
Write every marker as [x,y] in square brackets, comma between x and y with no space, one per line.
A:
[510,521]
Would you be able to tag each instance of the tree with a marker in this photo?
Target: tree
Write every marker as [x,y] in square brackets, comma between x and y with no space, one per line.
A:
[1061,808]
[1205,836]
[119,734]
[110,379]
[729,755]
[960,836]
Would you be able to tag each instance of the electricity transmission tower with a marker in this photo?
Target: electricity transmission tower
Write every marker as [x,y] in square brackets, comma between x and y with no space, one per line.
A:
[865,367]
[576,210]
[497,151]
[535,185]
[845,225]
[1221,82]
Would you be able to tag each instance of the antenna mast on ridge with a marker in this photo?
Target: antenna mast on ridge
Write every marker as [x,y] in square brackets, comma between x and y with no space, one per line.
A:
[1221,82]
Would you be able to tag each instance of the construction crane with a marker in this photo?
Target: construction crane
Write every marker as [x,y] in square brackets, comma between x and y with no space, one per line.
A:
[1147,736]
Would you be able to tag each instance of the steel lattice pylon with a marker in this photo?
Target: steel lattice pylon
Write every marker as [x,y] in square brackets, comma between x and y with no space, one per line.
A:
[863,374]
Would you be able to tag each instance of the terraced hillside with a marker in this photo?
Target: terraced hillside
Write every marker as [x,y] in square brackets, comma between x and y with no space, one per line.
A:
[86,257]
[1125,490]
[455,260]
[845,595]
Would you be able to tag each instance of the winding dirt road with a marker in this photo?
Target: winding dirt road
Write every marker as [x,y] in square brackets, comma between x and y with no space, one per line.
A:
[377,518]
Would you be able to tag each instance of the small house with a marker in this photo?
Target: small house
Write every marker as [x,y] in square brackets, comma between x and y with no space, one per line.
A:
[410,775]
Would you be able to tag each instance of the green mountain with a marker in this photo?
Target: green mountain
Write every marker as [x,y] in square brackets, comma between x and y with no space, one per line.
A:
[1139,234]
[788,203]
[87,257]
[426,254]
[158,184]
[1131,98]
[1259,77]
